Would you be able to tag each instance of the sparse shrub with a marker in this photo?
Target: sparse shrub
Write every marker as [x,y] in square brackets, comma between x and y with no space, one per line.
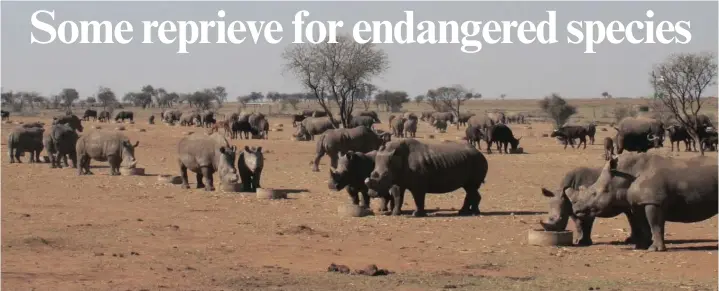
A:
[557,108]
[620,112]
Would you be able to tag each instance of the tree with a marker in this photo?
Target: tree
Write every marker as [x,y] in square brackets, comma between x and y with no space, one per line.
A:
[91,101]
[106,97]
[365,93]
[151,93]
[502,96]
[418,99]
[606,95]
[449,98]
[68,96]
[336,71]
[679,83]
[274,96]
[392,100]
[557,109]
[220,94]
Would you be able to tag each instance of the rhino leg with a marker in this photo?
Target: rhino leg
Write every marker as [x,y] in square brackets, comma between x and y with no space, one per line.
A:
[398,198]
[419,203]
[199,177]
[256,180]
[655,217]
[316,162]
[642,230]
[84,168]
[64,160]
[246,178]
[209,183]
[114,162]
[471,201]
[353,195]
[73,159]
[584,230]
[582,140]
[183,174]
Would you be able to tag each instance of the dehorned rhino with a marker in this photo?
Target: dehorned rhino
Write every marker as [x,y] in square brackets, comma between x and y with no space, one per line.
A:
[60,142]
[250,164]
[655,189]
[352,169]
[204,155]
[429,168]
[335,141]
[113,147]
[22,140]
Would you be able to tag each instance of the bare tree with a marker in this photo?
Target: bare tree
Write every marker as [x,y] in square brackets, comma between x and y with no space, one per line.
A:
[679,83]
[451,98]
[335,71]
[502,96]
[559,110]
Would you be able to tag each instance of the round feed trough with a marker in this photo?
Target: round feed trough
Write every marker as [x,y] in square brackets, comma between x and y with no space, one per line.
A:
[265,193]
[351,210]
[231,188]
[540,237]
[517,151]
[176,180]
[132,171]
[121,128]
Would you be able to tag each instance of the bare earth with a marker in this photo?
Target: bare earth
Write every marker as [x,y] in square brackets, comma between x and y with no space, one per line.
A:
[64,232]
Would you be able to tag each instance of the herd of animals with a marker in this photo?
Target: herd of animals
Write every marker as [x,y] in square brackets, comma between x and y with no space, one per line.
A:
[648,188]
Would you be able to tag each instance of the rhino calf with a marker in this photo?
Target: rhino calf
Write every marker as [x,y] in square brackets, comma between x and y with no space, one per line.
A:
[250,165]
[608,148]
[22,140]
[113,147]
[352,169]
[204,155]
[335,141]
[440,125]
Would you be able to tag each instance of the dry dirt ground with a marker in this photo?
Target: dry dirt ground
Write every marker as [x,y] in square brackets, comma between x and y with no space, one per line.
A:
[64,232]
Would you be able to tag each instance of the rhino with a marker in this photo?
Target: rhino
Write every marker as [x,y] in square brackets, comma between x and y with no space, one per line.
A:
[60,142]
[515,117]
[655,189]
[352,169]
[22,140]
[250,164]
[474,135]
[366,121]
[409,115]
[259,123]
[497,117]
[464,117]
[371,113]
[33,124]
[171,115]
[428,168]
[335,141]
[608,148]
[188,119]
[638,134]
[447,117]
[314,113]
[311,126]
[560,206]
[240,127]
[113,147]
[410,127]
[425,116]
[204,155]
[397,125]
[71,120]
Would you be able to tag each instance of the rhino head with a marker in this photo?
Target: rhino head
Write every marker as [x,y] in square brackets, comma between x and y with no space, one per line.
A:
[560,207]
[346,169]
[226,165]
[387,161]
[598,197]
[253,158]
[302,133]
[128,154]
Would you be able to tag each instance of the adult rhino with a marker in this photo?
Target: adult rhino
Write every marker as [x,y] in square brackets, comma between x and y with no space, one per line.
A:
[370,113]
[464,117]
[311,126]
[560,206]
[113,147]
[314,113]
[497,117]
[22,140]
[341,140]
[204,155]
[410,127]
[71,120]
[638,134]
[428,168]
[396,124]
[655,189]
[447,117]
[171,116]
[59,143]
[259,122]
[357,121]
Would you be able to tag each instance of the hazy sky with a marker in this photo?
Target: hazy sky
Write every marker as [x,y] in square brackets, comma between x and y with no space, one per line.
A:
[518,70]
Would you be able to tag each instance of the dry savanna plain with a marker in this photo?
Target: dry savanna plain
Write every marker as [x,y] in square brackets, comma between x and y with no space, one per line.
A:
[65,232]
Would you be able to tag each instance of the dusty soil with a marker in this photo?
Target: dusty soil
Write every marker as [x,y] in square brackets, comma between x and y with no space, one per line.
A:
[64,232]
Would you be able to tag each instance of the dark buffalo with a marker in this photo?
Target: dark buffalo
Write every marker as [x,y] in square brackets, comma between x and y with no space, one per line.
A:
[503,136]
[122,115]
[151,119]
[638,134]
[22,140]
[5,114]
[60,142]
[71,120]
[428,168]
[297,118]
[242,127]
[569,133]
[678,133]
[104,116]
[89,113]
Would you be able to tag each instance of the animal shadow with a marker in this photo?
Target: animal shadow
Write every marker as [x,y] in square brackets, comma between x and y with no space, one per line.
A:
[453,212]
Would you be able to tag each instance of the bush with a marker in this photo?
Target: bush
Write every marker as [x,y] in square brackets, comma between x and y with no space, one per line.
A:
[620,112]
[557,109]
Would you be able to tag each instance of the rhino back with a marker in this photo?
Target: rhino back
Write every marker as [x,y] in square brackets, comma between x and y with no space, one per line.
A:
[200,150]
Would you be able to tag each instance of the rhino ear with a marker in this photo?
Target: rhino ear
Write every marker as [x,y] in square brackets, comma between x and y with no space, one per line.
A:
[613,162]
[547,193]
[258,149]
[247,149]
[569,192]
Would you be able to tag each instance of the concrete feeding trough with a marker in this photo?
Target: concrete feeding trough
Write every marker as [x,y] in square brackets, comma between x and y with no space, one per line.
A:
[120,128]
[430,136]
[351,210]
[132,171]
[519,150]
[266,193]
[231,188]
[540,237]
